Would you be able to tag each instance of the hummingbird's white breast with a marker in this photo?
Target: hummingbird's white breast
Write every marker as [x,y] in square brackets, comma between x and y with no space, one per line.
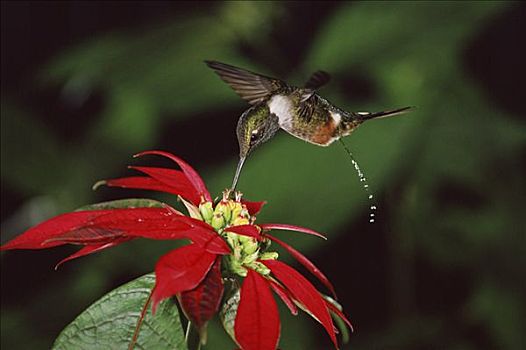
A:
[282,107]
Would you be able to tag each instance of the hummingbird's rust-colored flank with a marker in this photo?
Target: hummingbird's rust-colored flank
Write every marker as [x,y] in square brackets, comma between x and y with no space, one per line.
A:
[325,133]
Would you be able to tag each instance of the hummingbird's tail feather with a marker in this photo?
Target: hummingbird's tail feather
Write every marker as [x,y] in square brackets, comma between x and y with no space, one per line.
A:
[383,114]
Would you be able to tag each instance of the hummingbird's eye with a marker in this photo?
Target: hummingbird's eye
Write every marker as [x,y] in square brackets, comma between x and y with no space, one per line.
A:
[254,135]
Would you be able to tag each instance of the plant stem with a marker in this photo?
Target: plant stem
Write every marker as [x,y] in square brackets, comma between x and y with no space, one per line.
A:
[193,339]
[139,322]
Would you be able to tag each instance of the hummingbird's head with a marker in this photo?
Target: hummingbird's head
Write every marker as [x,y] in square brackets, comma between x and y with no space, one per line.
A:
[255,126]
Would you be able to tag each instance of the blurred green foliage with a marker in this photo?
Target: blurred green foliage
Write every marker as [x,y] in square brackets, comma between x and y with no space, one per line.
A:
[448,175]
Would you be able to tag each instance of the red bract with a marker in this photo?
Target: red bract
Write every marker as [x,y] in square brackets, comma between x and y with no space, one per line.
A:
[304,293]
[257,323]
[182,269]
[201,303]
[225,245]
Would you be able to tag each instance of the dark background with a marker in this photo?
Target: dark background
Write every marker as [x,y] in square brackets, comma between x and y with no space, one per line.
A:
[84,85]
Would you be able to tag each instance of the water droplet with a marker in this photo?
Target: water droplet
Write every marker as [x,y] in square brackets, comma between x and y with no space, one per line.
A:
[362,178]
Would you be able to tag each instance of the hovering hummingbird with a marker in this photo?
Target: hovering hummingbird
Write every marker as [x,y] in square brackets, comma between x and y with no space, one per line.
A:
[300,111]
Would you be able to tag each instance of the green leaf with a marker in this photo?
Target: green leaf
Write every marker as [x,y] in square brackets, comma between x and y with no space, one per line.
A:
[229,310]
[110,322]
[124,203]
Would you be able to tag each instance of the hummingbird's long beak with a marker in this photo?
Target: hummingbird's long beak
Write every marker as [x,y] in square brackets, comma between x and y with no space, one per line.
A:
[238,171]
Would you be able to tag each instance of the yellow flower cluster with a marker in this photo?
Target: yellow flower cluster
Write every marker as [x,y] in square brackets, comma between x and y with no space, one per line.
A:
[245,250]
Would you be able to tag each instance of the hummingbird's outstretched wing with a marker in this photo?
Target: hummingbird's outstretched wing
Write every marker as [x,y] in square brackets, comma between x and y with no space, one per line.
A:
[317,80]
[252,87]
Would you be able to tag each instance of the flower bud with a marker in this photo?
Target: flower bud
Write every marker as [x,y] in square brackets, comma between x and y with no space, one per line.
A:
[249,244]
[206,211]
[236,267]
[269,256]
[240,221]
[224,208]
[236,208]
[218,221]
[260,268]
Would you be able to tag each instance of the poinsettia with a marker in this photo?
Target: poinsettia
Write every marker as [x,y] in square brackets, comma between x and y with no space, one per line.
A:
[226,247]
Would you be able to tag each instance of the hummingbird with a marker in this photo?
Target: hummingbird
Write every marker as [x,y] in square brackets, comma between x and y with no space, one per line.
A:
[300,111]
